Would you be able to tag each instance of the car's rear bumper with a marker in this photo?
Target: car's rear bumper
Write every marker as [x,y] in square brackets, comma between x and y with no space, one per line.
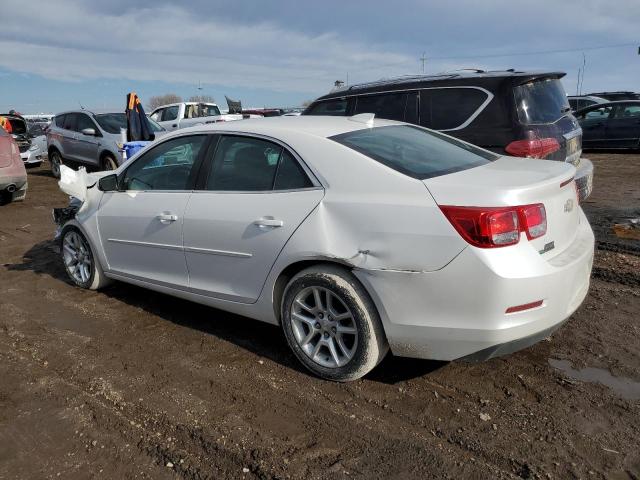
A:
[584,178]
[460,310]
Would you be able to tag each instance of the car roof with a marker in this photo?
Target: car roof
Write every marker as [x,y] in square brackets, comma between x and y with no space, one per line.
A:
[613,103]
[90,112]
[457,78]
[318,126]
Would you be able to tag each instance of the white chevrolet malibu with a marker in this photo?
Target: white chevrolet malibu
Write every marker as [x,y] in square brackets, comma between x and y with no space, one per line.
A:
[356,235]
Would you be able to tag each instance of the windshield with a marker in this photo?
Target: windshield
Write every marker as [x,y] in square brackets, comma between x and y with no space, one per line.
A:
[113,122]
[541,101]
[414,151]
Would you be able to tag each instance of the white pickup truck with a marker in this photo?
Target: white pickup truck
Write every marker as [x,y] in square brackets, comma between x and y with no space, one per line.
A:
[188,114]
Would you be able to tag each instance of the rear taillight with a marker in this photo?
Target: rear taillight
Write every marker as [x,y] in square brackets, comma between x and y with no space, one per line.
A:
[536,148]
[493,227]
[534,218]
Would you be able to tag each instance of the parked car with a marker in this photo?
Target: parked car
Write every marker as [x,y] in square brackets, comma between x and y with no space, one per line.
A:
[89,138]
[524,114]
[188,114]
[13,176]
[37,151]
[578,102]
[19,131]
[611,125]
[355,234]
[263,112]
[615,96]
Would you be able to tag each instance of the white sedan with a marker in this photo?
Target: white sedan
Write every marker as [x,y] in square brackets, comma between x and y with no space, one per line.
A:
[356,235]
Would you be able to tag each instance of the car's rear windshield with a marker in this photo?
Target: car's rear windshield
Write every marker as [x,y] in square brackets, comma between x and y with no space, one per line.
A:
[541,101]
[113,122]
[415,151]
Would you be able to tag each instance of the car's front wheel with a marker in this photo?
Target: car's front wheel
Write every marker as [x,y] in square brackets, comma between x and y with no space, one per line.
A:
[109,163]
[79,261]
[331,323]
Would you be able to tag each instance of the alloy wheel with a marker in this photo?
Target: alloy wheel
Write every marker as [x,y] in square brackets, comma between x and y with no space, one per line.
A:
[324,327]
[55,164]
[77,257]
[110,163]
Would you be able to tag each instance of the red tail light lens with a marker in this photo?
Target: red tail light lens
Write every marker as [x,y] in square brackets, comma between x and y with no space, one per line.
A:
[536,148]
[534,218]
[497,227]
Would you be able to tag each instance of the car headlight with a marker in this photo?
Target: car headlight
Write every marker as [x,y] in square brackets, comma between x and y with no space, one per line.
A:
[33,148]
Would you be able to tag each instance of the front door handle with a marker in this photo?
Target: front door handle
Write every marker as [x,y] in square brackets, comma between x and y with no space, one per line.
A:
[166,218]
[268,222]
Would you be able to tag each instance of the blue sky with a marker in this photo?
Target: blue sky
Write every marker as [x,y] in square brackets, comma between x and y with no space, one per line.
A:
[59,54]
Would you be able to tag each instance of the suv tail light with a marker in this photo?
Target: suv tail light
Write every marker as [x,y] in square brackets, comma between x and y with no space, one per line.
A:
[493,227]
[536,148]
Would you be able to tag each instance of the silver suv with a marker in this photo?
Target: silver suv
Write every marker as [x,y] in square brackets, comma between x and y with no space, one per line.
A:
[89,138]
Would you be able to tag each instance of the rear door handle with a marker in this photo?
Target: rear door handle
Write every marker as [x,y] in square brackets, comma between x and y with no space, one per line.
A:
[268,222]
[166,218]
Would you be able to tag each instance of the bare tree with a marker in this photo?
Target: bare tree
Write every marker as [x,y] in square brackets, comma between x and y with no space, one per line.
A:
[159,100]
[201,99]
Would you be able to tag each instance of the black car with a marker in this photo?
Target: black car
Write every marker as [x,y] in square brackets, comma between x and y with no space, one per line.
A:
[523,114]
[611,125]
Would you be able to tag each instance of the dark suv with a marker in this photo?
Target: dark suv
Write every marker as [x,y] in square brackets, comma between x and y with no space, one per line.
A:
[522,114]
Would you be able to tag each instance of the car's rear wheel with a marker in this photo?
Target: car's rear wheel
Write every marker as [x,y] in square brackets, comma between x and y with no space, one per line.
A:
[331,323]
[55,159]
[79,261]
[109,163]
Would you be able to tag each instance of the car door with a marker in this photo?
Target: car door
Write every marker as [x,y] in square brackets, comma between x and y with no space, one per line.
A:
[594,124]
[252,196]
[141,224]
[87,146]
[623,128]
[169,119]
[68,139]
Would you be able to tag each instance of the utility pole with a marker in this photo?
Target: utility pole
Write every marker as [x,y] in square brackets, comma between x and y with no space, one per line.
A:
[423,59]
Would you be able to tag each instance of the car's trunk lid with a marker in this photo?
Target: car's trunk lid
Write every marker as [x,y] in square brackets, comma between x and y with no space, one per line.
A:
[511,181]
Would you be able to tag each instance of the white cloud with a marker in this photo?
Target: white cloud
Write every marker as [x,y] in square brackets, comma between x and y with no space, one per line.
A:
[67,40]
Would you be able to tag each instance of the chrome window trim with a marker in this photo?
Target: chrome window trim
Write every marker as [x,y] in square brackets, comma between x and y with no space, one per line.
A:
[470,119]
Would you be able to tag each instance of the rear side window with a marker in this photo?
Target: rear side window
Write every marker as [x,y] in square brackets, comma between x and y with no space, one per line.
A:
[336,107]
[601,113]
[628,111]
[541,101]
[290,175]
[449,108]
[414,151]
[390,106]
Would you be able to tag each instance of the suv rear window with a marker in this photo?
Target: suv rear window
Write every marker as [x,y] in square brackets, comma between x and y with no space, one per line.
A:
[541,101]
[414,151]
[390,106]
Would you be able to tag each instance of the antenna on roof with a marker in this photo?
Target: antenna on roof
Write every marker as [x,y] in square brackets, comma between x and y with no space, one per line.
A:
[81,106]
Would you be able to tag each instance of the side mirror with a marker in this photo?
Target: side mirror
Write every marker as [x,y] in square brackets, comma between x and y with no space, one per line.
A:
[108,183]
[89,131]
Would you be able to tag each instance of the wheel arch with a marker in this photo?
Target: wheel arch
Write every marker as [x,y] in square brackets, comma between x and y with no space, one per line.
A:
[291,270]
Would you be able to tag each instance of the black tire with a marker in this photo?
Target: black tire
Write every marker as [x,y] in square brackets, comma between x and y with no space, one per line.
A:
[95,279]
[109,163]
[371,344]
[55,161]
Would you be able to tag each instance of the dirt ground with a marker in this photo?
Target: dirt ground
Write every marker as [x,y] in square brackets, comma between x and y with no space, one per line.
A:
[127,383]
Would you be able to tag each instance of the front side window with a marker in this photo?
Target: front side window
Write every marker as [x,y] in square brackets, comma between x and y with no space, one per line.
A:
[336,108]
[59,121]
[170,113]
[70,120]
[83,121]
[449,108]
[168,166]
[157,115]
[414,151]
[601,113]
[390,106]
[248,164]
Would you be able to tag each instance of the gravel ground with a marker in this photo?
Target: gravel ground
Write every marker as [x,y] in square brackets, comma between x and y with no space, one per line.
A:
[127,383]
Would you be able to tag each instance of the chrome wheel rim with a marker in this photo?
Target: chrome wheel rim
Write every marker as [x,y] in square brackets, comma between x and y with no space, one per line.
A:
[110,164]
[77,257]
[55,164]
[324,327]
